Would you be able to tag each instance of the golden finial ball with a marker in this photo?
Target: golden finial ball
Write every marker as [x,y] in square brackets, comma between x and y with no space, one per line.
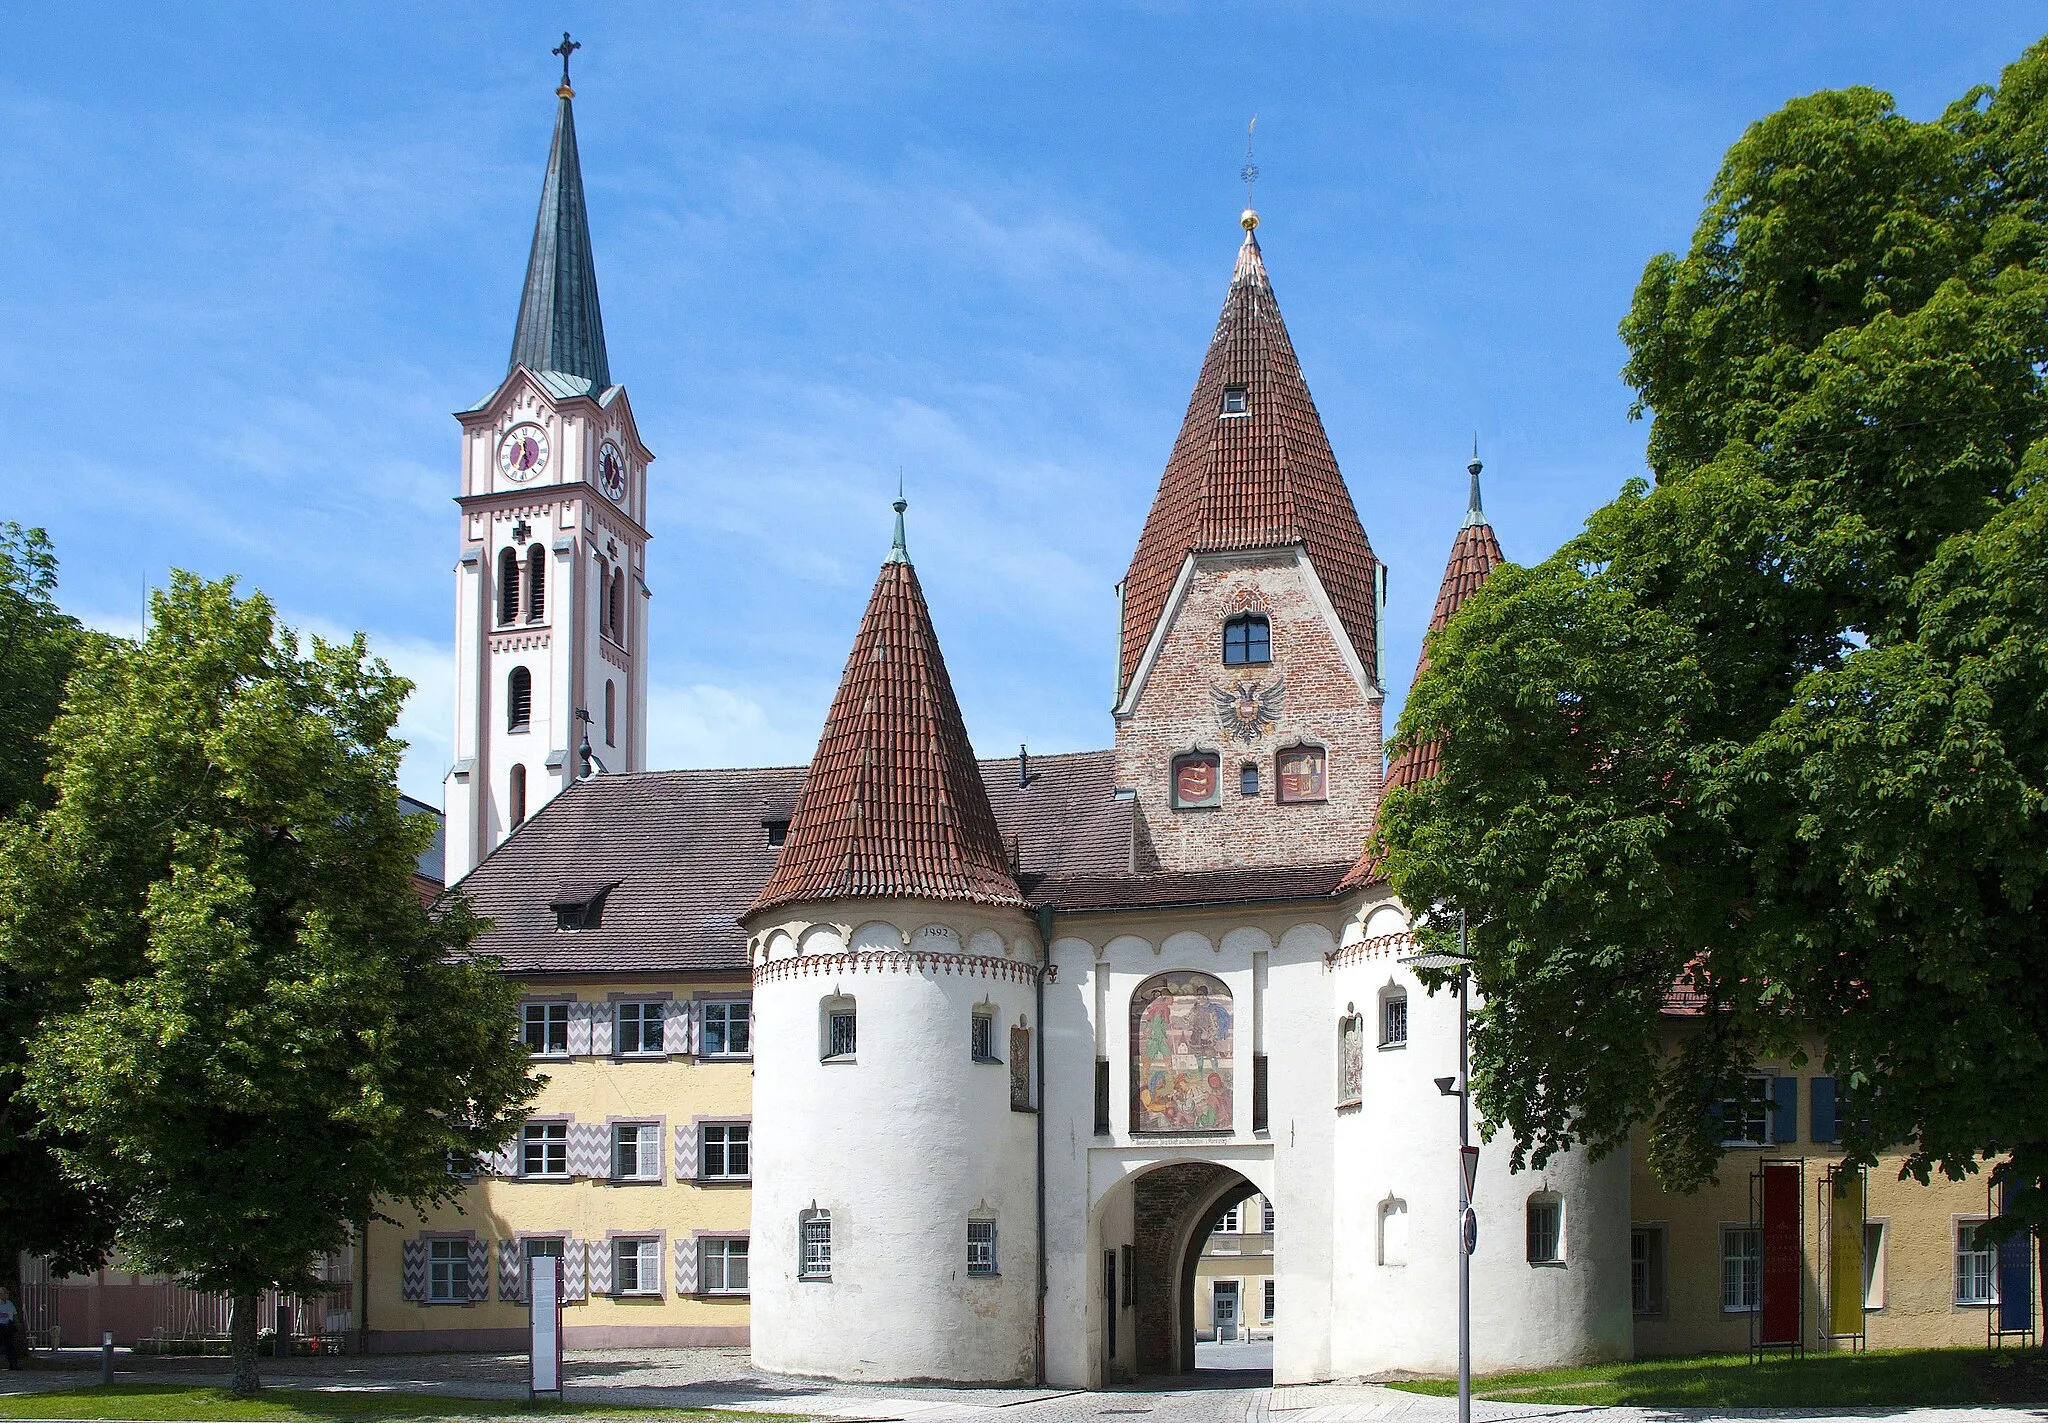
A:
[1248,219]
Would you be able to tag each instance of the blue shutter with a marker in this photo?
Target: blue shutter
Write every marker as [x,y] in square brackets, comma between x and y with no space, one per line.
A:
[1784,1110]
[2015,1268]
[1825,1127]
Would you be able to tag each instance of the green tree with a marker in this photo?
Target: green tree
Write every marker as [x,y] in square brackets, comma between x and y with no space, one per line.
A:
[271,1035]
[1775,728]
[42,1212]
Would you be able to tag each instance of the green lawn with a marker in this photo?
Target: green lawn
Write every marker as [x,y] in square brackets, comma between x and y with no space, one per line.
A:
[1893,1378]
[183,1403]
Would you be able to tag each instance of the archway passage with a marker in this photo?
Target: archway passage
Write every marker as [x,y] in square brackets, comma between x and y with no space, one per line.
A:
[1176,1209]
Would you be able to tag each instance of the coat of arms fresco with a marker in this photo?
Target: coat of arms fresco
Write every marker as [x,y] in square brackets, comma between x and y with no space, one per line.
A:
[1247,710]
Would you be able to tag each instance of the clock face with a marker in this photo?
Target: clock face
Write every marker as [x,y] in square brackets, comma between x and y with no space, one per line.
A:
[523,453]
[611,472]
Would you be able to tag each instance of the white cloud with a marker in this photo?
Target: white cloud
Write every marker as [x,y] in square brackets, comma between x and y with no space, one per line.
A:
[706,725]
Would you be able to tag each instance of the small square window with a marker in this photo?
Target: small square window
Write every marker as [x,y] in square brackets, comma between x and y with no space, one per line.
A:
[636,1267]
[1235,400]
[727,1028]
[840,1036]
[545,1029]
[777,831]
[1394,1020]
[722,1267]
[448,1271]
[637,1028]
[544,1149]
[984,1046]
[1248,778]
[815,1263]
[724,1151]
[981,1247]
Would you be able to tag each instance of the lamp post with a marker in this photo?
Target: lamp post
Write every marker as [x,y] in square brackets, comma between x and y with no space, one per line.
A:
[1468,1163]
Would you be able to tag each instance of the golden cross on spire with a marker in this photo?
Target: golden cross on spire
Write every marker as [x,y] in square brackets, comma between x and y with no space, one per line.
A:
[566,48]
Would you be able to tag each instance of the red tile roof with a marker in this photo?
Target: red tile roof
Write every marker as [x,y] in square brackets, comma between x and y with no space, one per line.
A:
[1475,553]
[1265,479]
[893,806]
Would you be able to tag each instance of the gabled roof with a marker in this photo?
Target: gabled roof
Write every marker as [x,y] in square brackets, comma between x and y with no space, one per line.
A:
[560,329]
[893,806]
[1263,479]
[1475,553]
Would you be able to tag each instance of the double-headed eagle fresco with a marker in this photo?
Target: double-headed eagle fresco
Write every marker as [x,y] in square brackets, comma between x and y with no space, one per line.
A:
[1245,710]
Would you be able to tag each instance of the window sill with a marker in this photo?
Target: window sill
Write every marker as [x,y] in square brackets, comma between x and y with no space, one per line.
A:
[545,1178]
[722,1181]
[634,1294]
[637,1056]
[449,1303]
[847,1061]
[1032,1111]
[734,1057]
[1393,1047]
[721,1294]
[991,1061]
[814,1279]
[519,730]
[984,1275]
[633,1181]
[551,1055]
[1547,1264]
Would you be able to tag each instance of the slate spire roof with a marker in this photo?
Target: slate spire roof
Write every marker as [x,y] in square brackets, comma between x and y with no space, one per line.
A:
[894,805]
[560,327]
[1262,479]
[1475,553]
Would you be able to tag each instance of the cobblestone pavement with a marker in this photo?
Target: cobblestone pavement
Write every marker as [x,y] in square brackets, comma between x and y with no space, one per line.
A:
[725,1379]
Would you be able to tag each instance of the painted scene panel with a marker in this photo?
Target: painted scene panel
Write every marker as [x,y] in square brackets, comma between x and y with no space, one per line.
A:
[1181,1054]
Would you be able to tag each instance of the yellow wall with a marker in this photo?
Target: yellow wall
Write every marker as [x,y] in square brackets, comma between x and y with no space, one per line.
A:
[591,1089]
[1919,1246]
[1245,1256]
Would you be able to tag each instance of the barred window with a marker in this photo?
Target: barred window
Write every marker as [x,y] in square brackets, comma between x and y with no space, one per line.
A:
[544,1149]
[1742,1255]
[815,1257]
[722,1266]
[838,1026]
[724,1151]
[981,1247]
[448,1271]
[1394,1019]
[982,1046]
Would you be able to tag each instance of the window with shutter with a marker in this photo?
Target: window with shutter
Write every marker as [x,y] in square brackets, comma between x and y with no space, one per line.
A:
[479,1269]
[575,1269]
[555,1248]
[675,1029]
[511,1272]
[598,1263]
[581,1016]
[536,583]
[589,1150]
[726,1151]
[636,1151]
[448,1272]
[686,1152]
[412,1277]
[726,1029]
[508,586]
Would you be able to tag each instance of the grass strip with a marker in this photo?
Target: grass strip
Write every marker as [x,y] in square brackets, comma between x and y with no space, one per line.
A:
[1896,1378]
[191,1403]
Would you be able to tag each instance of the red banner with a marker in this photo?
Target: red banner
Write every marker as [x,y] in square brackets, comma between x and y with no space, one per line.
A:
[1782,1263]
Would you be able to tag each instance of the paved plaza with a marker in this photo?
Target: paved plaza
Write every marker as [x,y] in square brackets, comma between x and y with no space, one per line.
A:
[726,1379]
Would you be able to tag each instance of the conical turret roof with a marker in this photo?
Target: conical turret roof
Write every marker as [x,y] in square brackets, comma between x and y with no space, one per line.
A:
[1475,553]
[1265,478]
[560,327]
[894,806]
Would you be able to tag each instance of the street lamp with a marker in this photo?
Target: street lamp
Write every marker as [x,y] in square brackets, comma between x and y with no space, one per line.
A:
[1468,1219]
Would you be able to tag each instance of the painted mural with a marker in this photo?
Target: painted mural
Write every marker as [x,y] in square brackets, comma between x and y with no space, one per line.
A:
[1350,1060]
[1181,1054]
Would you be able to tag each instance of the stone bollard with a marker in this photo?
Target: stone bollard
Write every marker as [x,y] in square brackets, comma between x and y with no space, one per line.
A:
[107,1357]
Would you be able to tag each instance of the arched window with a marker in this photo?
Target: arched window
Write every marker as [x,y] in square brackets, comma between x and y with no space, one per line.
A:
[1350,1058]
[515,798]
[814,1245]
[1394,1017]
[1247,639]
[518,699]
[611,707]
[837,1025]
[1393,1231]
[1181,1054]
[536,583]
[1546,1228]
[508,586]
[617,606]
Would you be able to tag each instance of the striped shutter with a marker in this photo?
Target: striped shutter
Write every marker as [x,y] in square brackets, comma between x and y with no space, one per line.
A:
[575,1275]
[580,1014]
[590,1150]
[511,1275]
[686,1151]
[504,1161]
[479,1269]
[675,1029]
[412,1276]
[686,1266]
[602,1018]
[682,1248]
[600,1267]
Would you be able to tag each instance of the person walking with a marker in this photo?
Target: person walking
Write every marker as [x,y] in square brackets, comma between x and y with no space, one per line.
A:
[10,1321]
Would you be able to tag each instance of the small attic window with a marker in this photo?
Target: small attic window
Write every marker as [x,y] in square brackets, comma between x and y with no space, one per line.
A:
[777,832]
[1235,400]
[580,905]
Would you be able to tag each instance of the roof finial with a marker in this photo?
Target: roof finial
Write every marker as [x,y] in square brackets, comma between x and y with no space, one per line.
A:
[1474,513]
[566,48]
[1249,218]
[899,552]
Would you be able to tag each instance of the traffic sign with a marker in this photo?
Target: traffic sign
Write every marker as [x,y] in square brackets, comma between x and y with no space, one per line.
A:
[1468,1162]
[1468,1234]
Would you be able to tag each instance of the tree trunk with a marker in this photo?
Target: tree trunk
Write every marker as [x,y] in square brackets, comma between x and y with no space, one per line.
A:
[242,1345]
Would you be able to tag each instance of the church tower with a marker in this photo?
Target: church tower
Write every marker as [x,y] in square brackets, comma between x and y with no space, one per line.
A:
[1249,681]
[550,591]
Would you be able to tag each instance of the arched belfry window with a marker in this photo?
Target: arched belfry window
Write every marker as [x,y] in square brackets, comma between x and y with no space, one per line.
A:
[1247,640]
[508,586]
[616,609]
[518,699]
[515,796]
[536,583]
[1181,1050]
[611,707]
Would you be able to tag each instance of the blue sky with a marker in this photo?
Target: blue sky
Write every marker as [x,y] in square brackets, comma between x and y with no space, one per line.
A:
[256,254]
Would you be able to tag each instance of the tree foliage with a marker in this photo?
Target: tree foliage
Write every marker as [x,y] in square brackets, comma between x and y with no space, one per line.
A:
[262,1033]
[1775,728]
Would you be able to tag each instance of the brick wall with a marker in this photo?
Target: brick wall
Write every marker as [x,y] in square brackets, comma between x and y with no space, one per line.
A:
[1161,1204]
[1322,703]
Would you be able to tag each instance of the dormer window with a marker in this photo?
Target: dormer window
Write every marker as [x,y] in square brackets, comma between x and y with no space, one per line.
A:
[1247,639]
[1236,401]
[579,905]
[777,831]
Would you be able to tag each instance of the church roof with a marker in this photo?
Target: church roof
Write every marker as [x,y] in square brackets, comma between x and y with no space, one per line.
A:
[1475,553]
[1262,479]
[893,806]
[560,328]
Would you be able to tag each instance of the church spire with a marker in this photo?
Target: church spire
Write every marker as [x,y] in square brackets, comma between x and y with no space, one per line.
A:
[893,806]
[560,327]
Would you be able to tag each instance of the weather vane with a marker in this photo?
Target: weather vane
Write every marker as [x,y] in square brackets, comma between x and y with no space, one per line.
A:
[566,48]
[1250,171]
